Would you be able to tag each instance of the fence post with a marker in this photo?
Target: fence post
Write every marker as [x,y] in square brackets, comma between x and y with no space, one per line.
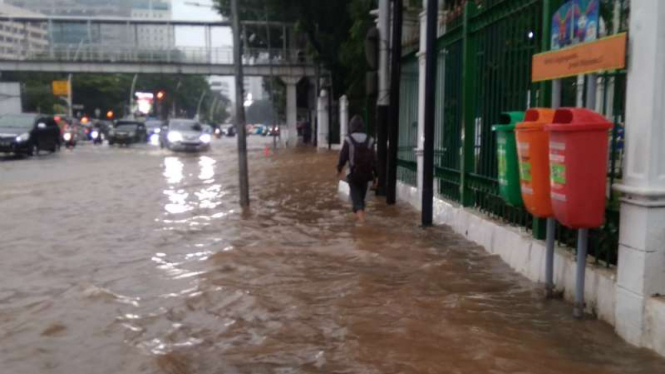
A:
[468,106]
[539,226]
[343,118]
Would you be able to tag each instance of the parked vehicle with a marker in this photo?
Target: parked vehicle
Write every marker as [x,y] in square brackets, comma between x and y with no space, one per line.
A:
[186,135]
[228,130]
[274,131]
[259,129]
[28,134]
[128,132]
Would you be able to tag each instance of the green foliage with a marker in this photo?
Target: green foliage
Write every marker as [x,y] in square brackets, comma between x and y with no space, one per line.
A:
[111,92]
[335,31]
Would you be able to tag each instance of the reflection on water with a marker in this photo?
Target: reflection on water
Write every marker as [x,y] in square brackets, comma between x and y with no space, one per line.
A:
[174,279]
[173,170]
[207,165]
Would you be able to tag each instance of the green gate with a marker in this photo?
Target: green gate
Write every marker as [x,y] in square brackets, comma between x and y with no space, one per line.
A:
[484,68]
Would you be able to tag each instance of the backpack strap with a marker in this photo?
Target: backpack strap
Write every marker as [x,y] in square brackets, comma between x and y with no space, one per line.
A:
[352,150]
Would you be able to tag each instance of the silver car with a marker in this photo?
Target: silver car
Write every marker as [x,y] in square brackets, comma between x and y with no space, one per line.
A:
[185,135]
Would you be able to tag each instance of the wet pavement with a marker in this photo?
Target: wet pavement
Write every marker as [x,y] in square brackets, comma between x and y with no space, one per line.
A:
[137,260]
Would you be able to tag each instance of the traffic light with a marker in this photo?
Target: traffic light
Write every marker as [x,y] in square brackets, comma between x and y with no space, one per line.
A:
[160,95]
[109,114]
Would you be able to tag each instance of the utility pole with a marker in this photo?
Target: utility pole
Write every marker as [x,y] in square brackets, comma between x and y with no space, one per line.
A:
[393,129]
[383,98]
[70,97]
[240,109]
[430,90]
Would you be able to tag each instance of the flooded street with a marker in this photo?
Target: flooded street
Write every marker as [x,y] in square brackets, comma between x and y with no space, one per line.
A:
[138,260]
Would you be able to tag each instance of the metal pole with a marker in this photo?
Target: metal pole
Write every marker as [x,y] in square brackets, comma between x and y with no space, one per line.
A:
[198,107]
[70,97]
[582,238]
[430,105]
[396,75]
[330,116]
[549,258]
[315,137]
[272,83]
[131,96]
[383,98]
[591,91]
[240,109]
[213,107]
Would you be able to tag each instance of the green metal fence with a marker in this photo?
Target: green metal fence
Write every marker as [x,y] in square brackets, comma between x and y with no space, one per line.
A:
[407,165]
[484,68]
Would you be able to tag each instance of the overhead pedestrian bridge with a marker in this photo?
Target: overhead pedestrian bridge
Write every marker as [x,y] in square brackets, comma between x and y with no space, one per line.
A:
[118,45]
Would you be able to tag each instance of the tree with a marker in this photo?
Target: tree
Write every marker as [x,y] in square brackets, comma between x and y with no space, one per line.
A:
[335,31]
[111,91]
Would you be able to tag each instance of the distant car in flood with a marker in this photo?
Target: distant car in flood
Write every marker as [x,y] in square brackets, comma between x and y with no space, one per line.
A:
[186,135]
[228,130]
[28,134]
[154,129]
[128,132]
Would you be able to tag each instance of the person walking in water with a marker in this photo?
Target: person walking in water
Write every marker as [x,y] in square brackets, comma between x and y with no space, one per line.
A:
[358,151]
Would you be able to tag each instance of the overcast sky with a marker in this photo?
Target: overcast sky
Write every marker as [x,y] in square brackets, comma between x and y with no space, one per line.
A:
[192,37]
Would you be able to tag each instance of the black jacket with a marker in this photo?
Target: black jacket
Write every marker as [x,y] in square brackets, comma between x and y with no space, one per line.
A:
[344,154]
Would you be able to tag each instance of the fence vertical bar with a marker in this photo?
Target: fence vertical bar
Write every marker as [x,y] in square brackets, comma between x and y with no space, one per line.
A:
[430,107]
[468,107]
[395,81]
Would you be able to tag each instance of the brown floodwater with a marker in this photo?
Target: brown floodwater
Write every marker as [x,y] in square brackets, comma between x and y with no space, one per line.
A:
[138,260]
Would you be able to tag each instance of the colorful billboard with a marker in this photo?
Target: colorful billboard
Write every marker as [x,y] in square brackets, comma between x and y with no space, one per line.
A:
[586,15]
[576,21]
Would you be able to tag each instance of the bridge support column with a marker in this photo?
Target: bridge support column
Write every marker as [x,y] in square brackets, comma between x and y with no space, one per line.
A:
[291,136]
[323,131]
[641,267]
[343,118]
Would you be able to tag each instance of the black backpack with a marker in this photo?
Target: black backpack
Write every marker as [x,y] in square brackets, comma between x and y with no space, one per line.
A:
[361,160]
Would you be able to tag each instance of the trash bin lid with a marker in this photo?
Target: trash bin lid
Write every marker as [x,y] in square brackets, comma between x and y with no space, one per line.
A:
[578,119]
[535,119]
[508,120]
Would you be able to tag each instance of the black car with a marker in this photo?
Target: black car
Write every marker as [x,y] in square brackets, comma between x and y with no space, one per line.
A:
[128,132]
[28,134]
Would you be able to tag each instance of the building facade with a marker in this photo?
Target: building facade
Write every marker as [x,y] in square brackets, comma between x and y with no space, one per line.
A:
[17,38]
[157,37]
[109,35]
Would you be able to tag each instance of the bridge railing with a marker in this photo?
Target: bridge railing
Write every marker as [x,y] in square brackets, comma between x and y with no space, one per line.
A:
[145,54]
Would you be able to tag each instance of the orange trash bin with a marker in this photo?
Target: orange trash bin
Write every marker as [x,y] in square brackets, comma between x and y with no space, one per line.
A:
[579,141]
[533,152]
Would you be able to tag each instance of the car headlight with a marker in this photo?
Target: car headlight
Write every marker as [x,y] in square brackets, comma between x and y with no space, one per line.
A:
[23,138]
[94,134]
[67,136]
[205,138]
[174,137]
[157,130]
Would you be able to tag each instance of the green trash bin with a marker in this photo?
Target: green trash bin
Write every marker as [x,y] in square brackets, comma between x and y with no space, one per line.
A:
[506,147]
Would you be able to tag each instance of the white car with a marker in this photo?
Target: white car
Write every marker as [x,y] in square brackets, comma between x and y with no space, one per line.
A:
[186,135]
